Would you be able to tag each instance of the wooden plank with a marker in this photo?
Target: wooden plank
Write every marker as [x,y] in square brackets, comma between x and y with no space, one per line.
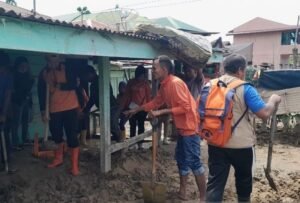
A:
[104,109]
[131,141]
[19,34]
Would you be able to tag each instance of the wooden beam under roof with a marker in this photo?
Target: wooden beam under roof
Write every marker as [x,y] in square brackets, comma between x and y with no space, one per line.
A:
[20,34]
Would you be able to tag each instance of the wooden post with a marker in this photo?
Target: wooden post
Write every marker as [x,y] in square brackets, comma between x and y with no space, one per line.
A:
[104,110]
[272,134]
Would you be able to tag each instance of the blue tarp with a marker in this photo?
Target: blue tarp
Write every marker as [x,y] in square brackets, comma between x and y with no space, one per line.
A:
[279,79]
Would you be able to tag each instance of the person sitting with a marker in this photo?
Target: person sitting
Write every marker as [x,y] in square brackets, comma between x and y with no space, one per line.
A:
[137,93]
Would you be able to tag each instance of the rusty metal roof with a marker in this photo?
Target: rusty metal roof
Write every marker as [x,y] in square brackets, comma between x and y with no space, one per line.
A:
[24,14]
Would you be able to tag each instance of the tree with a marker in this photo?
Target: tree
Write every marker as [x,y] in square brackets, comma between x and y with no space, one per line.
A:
[11,2]
[83,11]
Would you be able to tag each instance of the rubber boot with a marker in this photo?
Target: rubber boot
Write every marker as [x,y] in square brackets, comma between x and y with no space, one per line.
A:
[182,189]
[83,137]
[58,156]
[201,183]
[74,161]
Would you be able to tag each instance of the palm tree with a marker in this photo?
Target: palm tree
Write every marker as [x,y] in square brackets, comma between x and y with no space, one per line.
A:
[11,2]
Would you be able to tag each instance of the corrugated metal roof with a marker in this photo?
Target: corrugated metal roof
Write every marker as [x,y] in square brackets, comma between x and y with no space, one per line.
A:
[180,25]
[24,14]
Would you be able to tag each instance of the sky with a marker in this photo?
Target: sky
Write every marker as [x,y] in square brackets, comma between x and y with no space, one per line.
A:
[209,15]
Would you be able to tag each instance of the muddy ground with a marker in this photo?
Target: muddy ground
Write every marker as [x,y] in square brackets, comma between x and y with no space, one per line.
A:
[35,183]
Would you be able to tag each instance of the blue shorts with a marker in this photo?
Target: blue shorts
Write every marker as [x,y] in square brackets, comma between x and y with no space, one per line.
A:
[187,155]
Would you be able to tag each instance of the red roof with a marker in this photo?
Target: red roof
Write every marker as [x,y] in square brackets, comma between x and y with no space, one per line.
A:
[260,25]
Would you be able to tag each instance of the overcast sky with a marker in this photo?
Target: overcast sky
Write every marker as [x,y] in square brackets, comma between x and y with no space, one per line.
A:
[210,15]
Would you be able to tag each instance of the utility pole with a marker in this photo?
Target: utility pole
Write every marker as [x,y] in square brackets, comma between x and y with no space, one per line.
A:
[34,7]
[295,49]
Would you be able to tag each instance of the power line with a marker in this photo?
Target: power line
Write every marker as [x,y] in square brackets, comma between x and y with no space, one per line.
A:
[169,4]
[142,3]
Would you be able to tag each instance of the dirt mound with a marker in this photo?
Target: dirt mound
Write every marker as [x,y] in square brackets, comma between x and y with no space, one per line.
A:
[288,186]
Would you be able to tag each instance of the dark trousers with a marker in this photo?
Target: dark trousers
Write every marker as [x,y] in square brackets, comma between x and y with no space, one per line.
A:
[5,129]
[20,117]
[64,121]
[114,123]
[137,119]
[219,162]
[83,123]
[122,121]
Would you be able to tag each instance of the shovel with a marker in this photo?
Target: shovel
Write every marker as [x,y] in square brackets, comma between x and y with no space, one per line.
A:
[270,151]
[154,192]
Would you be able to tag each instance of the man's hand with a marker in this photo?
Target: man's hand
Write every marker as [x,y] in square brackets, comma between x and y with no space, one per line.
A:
[131,112]
[156,113]
[276,99]
[153,114]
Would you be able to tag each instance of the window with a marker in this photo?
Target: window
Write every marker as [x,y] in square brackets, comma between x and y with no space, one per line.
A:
[288,38]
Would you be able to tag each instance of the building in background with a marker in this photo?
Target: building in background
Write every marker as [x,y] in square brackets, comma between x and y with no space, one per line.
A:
[272,42]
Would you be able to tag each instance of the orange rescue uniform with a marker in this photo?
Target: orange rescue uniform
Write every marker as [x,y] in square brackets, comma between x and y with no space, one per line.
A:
[60,100]
[175,94]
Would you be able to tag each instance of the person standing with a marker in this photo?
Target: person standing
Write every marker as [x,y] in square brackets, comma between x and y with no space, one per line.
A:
[89,75]
[6,88]
[238,152]
[21,100]
[194,80]
[181,105]
[137,93]
[63,106]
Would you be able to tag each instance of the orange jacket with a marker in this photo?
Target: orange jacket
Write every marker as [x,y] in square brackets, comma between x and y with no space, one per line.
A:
[175,94]
[59,100]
